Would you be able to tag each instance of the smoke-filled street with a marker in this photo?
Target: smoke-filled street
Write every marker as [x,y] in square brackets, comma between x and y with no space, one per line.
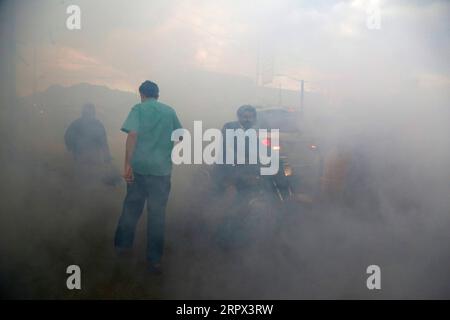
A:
[352,110]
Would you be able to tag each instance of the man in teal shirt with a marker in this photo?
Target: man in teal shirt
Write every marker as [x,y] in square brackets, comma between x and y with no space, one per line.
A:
[148,167]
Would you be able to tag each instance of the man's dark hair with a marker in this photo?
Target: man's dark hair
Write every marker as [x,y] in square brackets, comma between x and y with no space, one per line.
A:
[149,89]
[246,108]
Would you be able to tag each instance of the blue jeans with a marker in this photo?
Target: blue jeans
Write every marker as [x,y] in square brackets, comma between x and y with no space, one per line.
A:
[155,190]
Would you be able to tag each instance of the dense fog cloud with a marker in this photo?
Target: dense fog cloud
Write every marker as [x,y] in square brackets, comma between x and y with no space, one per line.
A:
[379,95]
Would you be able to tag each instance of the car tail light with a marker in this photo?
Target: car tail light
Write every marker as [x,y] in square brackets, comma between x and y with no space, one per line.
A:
[287,170]
[266,142]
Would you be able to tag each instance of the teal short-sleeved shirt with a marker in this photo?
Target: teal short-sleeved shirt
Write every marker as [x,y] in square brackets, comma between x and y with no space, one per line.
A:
[154,123]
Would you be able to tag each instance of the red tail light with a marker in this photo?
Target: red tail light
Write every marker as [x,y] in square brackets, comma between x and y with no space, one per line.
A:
[266,142]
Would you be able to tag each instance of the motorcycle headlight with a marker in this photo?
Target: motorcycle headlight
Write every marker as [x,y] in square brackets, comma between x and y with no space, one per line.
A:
[287,170]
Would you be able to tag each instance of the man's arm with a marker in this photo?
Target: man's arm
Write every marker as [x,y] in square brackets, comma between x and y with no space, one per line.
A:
[129,149]
[131,127]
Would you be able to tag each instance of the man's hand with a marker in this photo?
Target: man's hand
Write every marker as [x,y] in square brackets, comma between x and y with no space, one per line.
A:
[128,174]
[129,149]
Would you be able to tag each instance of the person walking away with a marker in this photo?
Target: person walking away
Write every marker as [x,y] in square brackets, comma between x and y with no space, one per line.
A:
[147,171]
[86,140]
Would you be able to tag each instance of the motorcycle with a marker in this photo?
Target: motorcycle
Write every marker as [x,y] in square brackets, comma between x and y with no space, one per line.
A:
[254,215]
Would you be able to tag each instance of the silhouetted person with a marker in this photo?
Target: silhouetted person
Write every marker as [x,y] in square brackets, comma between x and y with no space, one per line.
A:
[246,119]
[148,167]
[86,138]
[227,174]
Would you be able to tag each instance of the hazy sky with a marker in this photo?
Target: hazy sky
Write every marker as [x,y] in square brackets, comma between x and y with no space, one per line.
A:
[394,126]
[327,43]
